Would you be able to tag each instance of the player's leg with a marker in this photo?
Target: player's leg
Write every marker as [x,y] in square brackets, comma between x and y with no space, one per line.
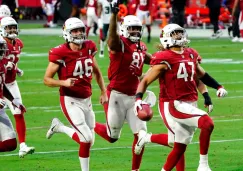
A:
[19,120]
[171,126]
[193,118]
[89,23]
[49,10]
[148,22]
[136,126]
[103,39]
[74,110]
[115,117]
[95,24]
[8,140]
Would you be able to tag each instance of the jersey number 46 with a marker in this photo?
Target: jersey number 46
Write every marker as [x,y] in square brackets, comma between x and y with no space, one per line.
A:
[84,68]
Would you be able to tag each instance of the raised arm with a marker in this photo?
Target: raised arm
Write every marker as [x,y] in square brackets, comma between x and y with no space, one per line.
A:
[113,41]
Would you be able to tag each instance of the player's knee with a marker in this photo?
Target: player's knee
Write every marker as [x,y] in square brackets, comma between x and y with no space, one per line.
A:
[12,144]
[205,122]
[9,145]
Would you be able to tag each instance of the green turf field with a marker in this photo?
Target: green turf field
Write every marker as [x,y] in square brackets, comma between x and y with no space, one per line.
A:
[222,59]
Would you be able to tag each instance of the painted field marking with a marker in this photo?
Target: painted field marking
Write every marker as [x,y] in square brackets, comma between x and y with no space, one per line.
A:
[114,148]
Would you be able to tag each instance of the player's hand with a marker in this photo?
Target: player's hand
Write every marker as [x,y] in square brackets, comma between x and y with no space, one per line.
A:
[208,102]
[10,65]
[20,72]
[115,7]
[138,105]
[20,106]
[100,23]
[150,99]
[69,82]
[103,98]
[221,92]
[2,103]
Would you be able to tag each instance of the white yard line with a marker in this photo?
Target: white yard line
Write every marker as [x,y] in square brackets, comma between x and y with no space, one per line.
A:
[114,148]
[56,91]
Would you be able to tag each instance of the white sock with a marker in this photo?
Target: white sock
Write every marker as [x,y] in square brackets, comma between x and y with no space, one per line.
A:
[22,144]
[203,159]
[163,169]
[149,137]
[84,163]
[67,130]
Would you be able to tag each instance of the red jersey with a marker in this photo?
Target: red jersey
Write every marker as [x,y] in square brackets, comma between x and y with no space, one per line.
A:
[126,67]
[144,5]
[241,4]
[13,54]
[75,64]
[178,82]
[92,3]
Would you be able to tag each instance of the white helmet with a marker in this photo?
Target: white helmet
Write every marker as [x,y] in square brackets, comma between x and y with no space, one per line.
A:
[173,35]
[3,47]
[129,22]
[4,11]
[71,24]
[5,23]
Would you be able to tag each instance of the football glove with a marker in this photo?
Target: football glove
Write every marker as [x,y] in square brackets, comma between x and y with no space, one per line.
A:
[20,72]
[208,102]
[221,92]
[2,103]
[138,105]
[115,7]
[17,104]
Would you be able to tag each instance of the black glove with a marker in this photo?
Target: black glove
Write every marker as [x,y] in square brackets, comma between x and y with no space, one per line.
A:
[208,102]
[115,7]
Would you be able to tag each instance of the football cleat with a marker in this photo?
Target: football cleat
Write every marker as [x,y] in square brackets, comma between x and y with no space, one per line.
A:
[24,150]
[216,35]
[203,167]
[55,124]
[142,140]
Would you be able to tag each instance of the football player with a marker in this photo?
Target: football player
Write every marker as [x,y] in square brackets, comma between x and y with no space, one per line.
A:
[48,8]
[168,139]
[144,14]
[75,63]
[9,31]
[104,15]
[8,140]
[92,18]
[177,68]
[127,55]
